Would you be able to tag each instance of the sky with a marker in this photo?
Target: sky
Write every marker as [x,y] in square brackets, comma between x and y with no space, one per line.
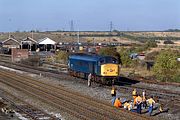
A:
[89,15]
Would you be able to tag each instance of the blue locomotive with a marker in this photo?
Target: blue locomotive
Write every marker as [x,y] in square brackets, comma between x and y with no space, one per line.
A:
[105,69]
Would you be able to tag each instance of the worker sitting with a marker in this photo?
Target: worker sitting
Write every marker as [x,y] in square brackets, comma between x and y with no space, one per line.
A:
[151,102]
[117,103]
[113,92]
[138,103]
[128,106]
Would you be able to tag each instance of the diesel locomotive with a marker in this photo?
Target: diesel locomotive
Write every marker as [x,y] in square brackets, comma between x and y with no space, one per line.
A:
[104,69]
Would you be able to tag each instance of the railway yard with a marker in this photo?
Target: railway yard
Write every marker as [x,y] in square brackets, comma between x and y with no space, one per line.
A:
[43,93]
[89,60]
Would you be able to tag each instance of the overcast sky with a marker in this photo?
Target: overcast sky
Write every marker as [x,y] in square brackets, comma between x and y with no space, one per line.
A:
[89,15]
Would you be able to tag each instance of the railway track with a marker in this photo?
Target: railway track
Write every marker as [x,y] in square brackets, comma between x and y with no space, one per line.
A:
[165,96]
[25,109]
[77,105]
[158,93]
[7,59]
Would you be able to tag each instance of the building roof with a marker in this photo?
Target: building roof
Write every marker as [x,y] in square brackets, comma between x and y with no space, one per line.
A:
[46,41]
[29,39]
[10,39]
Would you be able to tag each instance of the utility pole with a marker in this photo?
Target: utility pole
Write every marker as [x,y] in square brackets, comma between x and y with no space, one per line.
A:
[94,42]
[32,34]
[78,37]
[72,26]
[9,31]
[111,26]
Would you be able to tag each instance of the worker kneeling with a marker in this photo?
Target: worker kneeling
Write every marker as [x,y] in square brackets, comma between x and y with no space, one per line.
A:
[117,103]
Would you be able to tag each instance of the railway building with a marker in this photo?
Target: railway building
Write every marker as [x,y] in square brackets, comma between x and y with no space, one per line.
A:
[46,44]
[29,43]
[11,43]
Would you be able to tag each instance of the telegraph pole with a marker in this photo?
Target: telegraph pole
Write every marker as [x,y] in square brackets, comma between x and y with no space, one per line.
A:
[111,26]
[72,26]
[78,37]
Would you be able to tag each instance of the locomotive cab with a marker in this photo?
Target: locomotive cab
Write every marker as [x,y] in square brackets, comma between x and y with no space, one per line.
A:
[109,67]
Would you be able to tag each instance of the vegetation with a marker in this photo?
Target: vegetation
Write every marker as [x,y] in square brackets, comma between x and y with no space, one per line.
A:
[62,57]
[110,51]
[142,48]
[166,66]
[151,56]
[125,59]
[173,30]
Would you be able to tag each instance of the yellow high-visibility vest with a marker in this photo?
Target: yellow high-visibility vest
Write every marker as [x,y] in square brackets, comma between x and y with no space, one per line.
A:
[112,92]
[134,92]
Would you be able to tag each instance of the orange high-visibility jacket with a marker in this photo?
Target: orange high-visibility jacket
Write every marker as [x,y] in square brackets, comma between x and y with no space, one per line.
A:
[138,99]
[117,103]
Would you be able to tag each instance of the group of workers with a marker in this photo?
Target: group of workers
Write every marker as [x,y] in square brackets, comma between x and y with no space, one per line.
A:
[138,102]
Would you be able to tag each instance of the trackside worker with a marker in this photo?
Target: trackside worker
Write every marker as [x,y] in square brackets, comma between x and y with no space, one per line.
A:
[128,106]
[117,103]
[151,102]
[138,103]
[89,79]
[134,94]
[160,106]
[144,99]
[113,91]
[113,100]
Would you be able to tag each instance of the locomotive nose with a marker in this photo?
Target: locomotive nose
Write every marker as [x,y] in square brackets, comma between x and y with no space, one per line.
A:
[109,70]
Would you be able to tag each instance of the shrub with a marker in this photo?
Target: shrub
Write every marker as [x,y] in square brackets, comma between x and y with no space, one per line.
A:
[125,59]
[62,57]
[166,65]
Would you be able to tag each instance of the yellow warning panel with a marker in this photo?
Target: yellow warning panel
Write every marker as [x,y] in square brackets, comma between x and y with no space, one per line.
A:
[110,70]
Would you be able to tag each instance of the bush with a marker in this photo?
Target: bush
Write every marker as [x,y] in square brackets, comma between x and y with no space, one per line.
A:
[125,59]
[152,56]
[166,65]
[62,57]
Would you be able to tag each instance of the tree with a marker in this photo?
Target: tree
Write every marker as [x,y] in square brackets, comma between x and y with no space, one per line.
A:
[125,59]
[110,51]
[166,65]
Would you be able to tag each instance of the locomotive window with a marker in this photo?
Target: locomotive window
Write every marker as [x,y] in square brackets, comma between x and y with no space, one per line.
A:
[111,60]
[114,60]
[102,61]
